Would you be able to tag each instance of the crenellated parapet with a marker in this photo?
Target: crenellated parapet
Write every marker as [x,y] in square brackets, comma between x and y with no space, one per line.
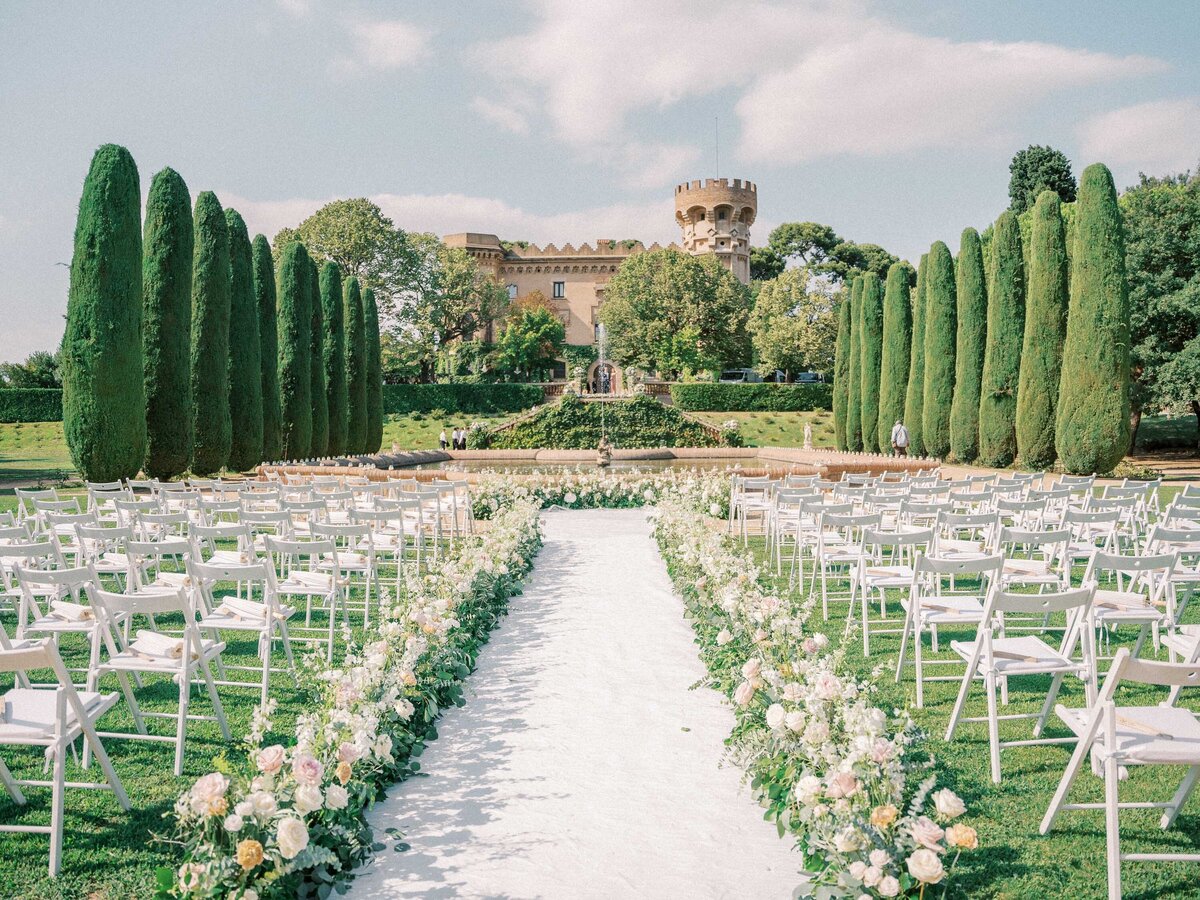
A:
[715,215]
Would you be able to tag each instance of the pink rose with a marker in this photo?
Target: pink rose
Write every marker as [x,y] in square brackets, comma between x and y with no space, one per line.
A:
[927,833]
[307,769]
[843,784]
[744,693]
[347,752]
[270,759]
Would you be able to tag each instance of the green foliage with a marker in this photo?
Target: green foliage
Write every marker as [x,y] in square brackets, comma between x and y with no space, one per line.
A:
[1036,169]
[765,264]
[574,424]
[793,325]
[333,357]
[871,355]
[294,320]
[578,357]
[897,345]
[40,370]
[104,401]
[940,338]
[268,338]
[451,399]
[356,367]
[1002,360]
[763,397]
[168,244]
[374,372]
[854,435]
[1092,419]
[820,249]
[530,343]
[31,405]
[1045,328]
[970,344]
[320,416]
[914,395]
[211,425]
[245,352]
[841,374]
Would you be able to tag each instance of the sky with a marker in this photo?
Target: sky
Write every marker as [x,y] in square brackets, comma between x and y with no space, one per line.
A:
[568,121]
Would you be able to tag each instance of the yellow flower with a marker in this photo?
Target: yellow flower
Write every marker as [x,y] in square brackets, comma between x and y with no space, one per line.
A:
[962,836]
[884,816]
[343,772]
[785,669]
[249,854]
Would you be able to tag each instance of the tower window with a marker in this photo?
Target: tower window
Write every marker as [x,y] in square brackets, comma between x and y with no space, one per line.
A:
[560,290]
[512,292]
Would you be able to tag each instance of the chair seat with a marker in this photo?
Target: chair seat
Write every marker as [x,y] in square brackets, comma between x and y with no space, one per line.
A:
[1014,655]
[69,618]
[243,615]
[937,610]
[30,714]
[1030,567]
[1185,641]
[153,651]
[887,576]
[1125,606]
[955,548]
[231,558]
[1146,735]
[305,582]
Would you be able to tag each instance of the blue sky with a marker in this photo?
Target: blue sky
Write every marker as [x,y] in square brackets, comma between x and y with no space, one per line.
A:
[559,120]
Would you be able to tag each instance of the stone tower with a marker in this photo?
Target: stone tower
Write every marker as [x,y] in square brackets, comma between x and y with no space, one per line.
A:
[715,216]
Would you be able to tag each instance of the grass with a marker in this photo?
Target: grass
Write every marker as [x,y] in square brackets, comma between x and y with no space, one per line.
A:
[777,429]
[34,451]
[419,431]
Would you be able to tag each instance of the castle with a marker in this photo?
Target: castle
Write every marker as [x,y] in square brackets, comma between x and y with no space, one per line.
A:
[714,216]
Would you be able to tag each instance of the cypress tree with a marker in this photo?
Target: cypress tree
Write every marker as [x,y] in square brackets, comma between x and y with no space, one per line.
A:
[1092,419]
[104,400]
[295,381]
[897,345]
[914,395]
[940,336]
[374,372]
[320,402]
[1045,327]
[211,427]
[871,348]
[268,342]
[334,356]
[854,436]
[245,351]
[969,347]
[356,368]
[167,250]
[1002,361]
[841,374]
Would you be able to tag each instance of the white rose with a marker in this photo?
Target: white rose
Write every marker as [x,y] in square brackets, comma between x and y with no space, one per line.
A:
[751,669]
[336,797]
[724,636]
[263,803]
[948,804]
[233,822]
[888,886]
[808,790]
[880,858]
[250,894]
[775,716]
[871,876]
[245,808]
[795,720]
[293,837]
[744,693]
[307,798]
[926,866]
[857,869]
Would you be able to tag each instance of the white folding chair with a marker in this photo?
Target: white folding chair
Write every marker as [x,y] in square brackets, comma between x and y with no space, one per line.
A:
[886,563]
[300,573]
[1140,594]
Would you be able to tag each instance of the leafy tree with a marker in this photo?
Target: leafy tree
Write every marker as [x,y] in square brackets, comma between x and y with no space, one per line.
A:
[841,374]
[969,348]
[316,337]
[268,337]
[849,257]
[1092,419]
[897,345]
[809,243]
[104,401]
[530,342]
[1045,327]
[356,366]
[1036,169]
[40,370]
[374,358]
[914,396]
[940,337]
[793,326]
[1002,360]
[871,355]
[212,428]
[245,351]
[671,312]
[854,435]
[294,321]
[765,263]
[333,357]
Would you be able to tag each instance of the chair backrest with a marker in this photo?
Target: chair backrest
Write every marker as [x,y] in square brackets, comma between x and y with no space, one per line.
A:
[148,604]
[27,496]
[70,506]
[950,567]
[1033,538]
[312,551]
[1184,541]
[1115,562]
[916,537]
[801,481]
[11,533]
[1037,604]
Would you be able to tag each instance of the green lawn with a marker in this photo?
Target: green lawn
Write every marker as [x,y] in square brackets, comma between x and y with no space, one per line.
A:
[34,451]
[777,429]
[419,431]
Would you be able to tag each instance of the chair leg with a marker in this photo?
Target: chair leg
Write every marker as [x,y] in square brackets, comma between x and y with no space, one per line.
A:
[185,690]
[215,699]
[964,690]
[919,665]
[1051,696]
[993,725]
[10,785]
[1185,789]
[1112,825]
[58,798]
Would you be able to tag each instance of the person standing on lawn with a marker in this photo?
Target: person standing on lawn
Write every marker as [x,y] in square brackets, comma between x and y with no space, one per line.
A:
[899,439]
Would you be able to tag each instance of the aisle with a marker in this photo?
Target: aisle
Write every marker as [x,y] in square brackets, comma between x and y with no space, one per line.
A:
[582,765]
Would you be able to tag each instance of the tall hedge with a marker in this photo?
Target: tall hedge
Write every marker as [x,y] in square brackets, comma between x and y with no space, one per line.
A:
[871,351]
[245,351]
[1092,420]
[374,372]
[970,285]
[268,344]
[1045,327]
[1002,361]
[104,401]
[320,402]
[167,248]
[212,430]
[333,356]
[460,398]
[897,345]
[854,437]
[31,405]
[841,374]
[294,322]
[940,337]
[914,395]
[356,367]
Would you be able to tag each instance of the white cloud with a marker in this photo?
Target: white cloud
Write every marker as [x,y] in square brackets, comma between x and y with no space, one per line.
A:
[1157,138]
[297,8]
[385,46]
[503,114]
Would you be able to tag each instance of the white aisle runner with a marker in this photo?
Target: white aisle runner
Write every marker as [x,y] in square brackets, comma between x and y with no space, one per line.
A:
[582,765]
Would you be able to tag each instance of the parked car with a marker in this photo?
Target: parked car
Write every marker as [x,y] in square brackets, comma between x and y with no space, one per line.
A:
[809,378]
[740,376]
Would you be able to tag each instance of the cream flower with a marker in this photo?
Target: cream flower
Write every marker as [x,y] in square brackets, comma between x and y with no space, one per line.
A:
[270,759]
[307,769]
[307,799]
[336,797]
[888,886]
[775,716]
[926,866]
[292,837]
[207,796]
[744,693]
[724,636]
[962,837]
[948,804]
[927,833]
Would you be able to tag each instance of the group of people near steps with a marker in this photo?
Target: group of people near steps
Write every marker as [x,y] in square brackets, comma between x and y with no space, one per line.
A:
[457,441]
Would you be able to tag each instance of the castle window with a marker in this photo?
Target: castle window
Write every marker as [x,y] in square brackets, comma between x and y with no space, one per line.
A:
[560,290]
[512,292]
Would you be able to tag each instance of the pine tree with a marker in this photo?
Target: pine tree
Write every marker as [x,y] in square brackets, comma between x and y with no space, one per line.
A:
[969,348]
[854,437]
[268,342]
[1092,419]
[897,345]
[167,249]
[1045,328]
[1002,361]
[871,350]
[295,380]
[914,395]
[104,400]
[334,356]
[841,374]
[245,351]
[374,372]
[211,425]
[320,401]
[356,368]
[940,337]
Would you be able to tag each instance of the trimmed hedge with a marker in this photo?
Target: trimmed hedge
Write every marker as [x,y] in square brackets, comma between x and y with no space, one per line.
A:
[30,405]
[638,423]
[765,397]
[401,399]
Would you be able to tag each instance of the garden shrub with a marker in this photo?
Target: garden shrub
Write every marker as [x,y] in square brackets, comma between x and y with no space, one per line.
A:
[333,357]
[30,405]
[841,374]
[854,437]
[445,400]
[871,353]
[356,367]
[914,395]
[295,384]
[268,336]
[374,369]
[897,344]
[970,345]
[320,416]
[245,352]
[575,424]
[765,397]
[1002,362]
[212,430]
[940,337]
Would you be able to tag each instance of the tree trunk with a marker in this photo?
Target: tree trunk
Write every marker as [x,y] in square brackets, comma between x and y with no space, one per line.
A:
[1133,430]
